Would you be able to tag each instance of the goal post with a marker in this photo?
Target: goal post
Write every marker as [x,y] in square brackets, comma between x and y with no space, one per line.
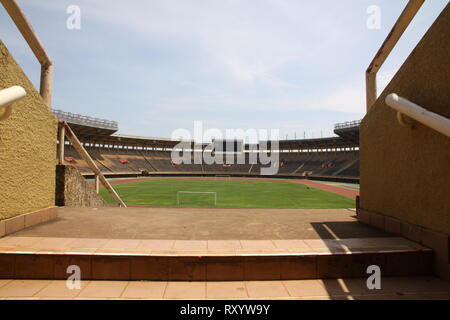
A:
[196,192]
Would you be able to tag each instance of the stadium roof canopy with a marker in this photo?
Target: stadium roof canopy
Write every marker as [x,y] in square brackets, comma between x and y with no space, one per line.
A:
[103,132]
[87,126]
[348,130]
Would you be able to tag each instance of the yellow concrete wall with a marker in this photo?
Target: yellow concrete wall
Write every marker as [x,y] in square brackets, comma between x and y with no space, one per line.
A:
[27,147]
[406,173]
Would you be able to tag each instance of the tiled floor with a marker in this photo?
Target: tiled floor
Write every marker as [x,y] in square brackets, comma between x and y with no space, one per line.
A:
[349,289]
[19,244]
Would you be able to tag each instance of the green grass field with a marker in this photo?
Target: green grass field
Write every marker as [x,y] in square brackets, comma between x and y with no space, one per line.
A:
[230,194]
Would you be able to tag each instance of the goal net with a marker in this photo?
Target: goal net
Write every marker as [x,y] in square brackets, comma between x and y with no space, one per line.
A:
[196,198]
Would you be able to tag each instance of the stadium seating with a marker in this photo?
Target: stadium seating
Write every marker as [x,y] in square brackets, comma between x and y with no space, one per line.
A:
[123,161]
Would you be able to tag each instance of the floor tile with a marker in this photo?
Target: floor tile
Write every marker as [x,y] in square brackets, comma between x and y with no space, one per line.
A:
[185,290]
[88,243]
[145,290]
[190,245]
[257,244]
[399,288]
[425,284]
[390,242]
[226,289]
[433,296]
[156,244]
[19,241]
[266,289]
[308,288]
[121,244]
[316,298]
[299,245]
[224,244]
[79,251]
[22,288]
[323,244]
[21,298]
[59,289]
[4,281]
[53,243]
[342,287]
[103,289]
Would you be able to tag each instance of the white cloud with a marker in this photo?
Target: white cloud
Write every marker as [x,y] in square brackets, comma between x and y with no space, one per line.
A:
[349,98]
[251,58]
[346,98]
[247,40]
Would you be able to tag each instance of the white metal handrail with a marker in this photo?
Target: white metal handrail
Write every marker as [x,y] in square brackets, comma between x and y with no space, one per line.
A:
[8,97]
[420,114]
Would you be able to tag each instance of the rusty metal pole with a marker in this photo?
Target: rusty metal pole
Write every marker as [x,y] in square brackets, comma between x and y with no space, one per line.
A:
[97,183]
[388,45]
[61,139]
[35,44]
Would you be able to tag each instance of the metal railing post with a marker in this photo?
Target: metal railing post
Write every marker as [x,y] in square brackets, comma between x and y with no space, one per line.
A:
[30,36]
[61,142]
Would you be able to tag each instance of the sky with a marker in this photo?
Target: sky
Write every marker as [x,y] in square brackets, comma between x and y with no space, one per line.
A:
[156,66]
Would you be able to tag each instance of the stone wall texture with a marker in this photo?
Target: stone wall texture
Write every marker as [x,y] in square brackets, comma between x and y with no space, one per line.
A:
[27,146]
[405,173]
[72,189]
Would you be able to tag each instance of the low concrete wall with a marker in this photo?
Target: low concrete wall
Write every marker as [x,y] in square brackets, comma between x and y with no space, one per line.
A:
[17,223]
[72,189]
[27,147]
[439,242]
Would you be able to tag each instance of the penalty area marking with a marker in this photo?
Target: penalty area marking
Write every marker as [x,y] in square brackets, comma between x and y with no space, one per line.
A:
[196,192]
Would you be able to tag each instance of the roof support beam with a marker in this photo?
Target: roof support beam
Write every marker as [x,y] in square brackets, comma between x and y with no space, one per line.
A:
[86,157]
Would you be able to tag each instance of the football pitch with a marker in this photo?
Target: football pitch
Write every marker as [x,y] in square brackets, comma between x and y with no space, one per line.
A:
[229,194]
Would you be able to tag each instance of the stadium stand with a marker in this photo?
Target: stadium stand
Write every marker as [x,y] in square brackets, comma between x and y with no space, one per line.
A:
[404,185]
[118,154]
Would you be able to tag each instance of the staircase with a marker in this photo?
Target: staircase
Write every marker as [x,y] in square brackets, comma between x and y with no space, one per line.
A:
[299,167]
[214,265]
[351,163]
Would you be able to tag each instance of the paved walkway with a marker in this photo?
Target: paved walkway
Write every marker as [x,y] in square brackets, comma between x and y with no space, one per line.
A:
[203,224]
[398,288]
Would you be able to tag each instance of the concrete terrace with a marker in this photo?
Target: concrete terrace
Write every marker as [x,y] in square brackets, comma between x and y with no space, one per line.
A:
[187,244]
[202,224]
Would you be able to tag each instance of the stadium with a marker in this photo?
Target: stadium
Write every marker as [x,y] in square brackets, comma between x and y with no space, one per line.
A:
[120,157]
[136,217]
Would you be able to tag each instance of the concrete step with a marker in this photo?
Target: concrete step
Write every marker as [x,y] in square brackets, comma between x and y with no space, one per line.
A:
[295,260]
